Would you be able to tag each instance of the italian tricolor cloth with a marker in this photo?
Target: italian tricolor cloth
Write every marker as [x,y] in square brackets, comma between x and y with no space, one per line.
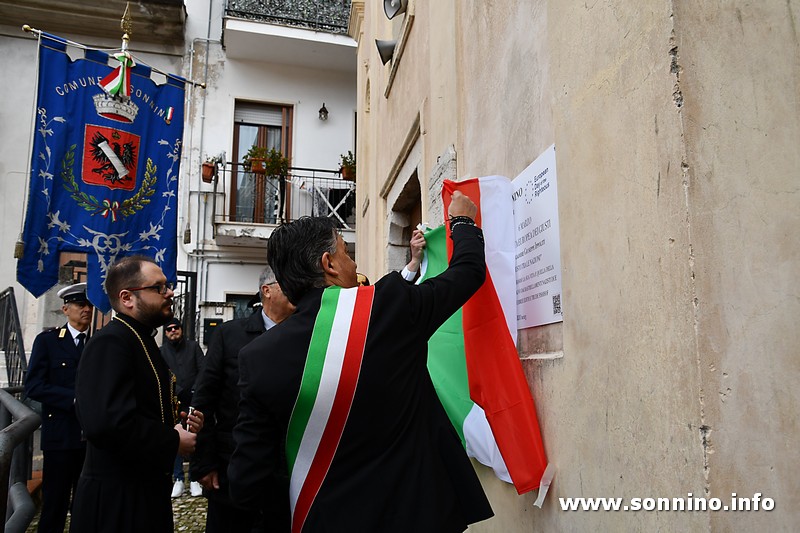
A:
[473,359]
[118,82]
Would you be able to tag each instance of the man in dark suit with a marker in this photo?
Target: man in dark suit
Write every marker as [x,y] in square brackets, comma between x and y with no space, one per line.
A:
[126,406]
[185,358]
[217,395]
[51,381]
[345,391]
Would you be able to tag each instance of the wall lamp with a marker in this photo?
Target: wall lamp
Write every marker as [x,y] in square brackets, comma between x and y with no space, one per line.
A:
[393,8]
[385,49]
[323,112]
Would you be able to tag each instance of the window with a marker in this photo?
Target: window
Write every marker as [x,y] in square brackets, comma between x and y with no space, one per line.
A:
[254,197]
[405,215]
[242,304]
[72,268]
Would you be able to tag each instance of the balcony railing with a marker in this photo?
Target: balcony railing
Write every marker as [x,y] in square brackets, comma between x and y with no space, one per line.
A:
[320,15]
[249,198]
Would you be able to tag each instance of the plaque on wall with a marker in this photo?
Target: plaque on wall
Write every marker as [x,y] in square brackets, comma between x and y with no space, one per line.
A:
[538,247]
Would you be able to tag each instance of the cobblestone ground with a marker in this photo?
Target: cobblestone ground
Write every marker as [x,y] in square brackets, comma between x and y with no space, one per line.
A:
[189,514]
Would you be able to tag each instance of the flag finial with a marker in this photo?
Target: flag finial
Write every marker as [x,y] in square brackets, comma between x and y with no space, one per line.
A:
[126,25]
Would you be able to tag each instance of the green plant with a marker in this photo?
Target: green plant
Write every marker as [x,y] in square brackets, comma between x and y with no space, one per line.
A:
[275,164]
[255,152]
[348,165]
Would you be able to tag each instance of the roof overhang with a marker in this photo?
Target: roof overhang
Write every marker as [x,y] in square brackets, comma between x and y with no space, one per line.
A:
[270,43]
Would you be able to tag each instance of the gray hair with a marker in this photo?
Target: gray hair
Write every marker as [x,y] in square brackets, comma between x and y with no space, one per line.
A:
[267,276]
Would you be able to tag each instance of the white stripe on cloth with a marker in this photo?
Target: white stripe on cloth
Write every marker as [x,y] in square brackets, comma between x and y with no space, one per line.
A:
[481,444]
[498,234]
[331,371]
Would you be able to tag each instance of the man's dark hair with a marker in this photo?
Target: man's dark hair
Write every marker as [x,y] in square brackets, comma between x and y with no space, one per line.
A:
[294,251]
[123,274]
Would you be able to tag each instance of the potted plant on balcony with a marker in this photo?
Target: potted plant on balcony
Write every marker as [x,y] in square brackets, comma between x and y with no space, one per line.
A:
[348,166]
[254,159]
[209,169]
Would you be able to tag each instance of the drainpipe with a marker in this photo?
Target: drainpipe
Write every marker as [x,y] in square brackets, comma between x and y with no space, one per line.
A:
[198,259]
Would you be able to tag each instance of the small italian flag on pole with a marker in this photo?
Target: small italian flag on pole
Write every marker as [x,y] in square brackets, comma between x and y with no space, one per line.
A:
[473,358]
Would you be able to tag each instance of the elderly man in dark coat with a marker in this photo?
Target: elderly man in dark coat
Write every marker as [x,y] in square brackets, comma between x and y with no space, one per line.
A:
[342,387]
[126,406]
[51,381]
[217,395]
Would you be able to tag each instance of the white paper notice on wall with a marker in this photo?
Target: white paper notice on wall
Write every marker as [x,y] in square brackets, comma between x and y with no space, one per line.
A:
[538,246]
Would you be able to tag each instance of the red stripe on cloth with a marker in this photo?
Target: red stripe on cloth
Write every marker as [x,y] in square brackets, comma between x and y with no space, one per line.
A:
[110,77]
[340,410]
[127,81]
[497,383]
[471,188]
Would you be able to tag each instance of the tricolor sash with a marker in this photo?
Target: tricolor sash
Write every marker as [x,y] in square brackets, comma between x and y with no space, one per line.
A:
[326,393]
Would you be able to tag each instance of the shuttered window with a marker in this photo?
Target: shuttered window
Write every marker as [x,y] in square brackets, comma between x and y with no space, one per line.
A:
[260,114]
[266,126]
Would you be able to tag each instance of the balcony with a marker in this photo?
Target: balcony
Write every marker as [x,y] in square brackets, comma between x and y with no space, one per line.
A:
[304,33]
[248,206]
[319,15]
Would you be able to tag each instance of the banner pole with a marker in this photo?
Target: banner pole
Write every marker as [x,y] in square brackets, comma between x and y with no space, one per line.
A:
[19,246]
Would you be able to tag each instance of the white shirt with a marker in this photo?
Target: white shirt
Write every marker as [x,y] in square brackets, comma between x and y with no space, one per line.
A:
[268,323]
[407,274]
[74,332]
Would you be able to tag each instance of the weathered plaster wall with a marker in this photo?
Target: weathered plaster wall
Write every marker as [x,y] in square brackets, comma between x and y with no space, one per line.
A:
[741,88]
[384,130]
[677,145]
[615,421]
[18,62]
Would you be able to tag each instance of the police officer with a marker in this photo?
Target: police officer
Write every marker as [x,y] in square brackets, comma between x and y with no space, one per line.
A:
[51,381]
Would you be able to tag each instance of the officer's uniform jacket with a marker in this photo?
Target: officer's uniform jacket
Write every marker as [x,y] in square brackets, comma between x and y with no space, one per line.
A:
[51,381]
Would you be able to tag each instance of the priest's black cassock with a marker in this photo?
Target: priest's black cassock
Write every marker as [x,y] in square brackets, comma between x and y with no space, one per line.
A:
[124,404]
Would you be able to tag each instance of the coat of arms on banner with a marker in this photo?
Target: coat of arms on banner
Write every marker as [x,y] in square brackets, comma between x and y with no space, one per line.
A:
[110,157]
[104,168]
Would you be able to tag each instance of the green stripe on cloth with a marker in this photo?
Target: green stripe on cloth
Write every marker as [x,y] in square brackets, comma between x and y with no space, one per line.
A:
[312,374]
[446,362]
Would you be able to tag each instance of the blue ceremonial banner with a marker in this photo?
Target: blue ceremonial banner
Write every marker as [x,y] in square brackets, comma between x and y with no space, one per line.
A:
[104,175]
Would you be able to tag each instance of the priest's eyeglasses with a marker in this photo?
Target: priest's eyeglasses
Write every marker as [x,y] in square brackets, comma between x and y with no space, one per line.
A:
[160,288]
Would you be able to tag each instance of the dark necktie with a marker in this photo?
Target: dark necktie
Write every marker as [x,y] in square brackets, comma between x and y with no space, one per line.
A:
[81,341]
